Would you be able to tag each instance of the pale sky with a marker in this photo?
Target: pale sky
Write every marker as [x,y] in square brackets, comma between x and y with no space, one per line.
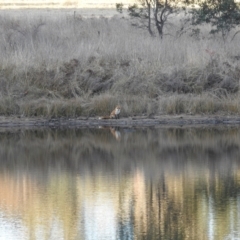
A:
[75,3]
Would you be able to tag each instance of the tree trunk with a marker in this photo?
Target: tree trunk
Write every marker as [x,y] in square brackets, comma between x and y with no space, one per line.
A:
[159,23]
[149,19]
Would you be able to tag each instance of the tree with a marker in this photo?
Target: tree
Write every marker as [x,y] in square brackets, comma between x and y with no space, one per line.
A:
[156,11]
[223,15]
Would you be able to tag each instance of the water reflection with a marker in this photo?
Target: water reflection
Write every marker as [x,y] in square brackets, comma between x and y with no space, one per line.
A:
[146,184]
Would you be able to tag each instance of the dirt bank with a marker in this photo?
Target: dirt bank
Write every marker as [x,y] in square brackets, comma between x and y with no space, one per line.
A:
[166,120]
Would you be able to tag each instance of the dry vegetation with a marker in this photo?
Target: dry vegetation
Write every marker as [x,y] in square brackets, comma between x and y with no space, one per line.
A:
[67,65]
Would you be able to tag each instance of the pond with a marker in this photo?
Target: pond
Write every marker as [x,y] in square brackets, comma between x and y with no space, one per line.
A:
[120,183]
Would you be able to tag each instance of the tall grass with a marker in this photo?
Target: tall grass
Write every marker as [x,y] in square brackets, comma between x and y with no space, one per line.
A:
[66,65]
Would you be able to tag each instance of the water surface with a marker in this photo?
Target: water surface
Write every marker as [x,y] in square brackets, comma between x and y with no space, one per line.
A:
[146,183]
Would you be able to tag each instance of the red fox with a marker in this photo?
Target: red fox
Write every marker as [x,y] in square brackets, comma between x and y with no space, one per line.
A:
[114,114]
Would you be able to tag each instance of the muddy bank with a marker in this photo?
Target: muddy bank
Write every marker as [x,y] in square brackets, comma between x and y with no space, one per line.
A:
[122,122]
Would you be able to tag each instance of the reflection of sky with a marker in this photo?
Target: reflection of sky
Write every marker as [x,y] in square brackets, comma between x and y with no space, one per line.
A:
[100,220]
[11,229]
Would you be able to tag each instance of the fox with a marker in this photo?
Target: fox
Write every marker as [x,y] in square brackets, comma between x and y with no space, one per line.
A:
[114,114]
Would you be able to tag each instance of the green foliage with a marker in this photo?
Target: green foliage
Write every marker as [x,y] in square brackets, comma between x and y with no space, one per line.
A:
[119,7]
[222,15]
[136,11]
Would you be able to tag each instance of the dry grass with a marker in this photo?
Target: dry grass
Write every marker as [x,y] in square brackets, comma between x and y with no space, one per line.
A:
[72,66]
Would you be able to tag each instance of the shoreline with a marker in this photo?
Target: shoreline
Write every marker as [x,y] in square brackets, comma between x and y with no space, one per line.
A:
[93,122]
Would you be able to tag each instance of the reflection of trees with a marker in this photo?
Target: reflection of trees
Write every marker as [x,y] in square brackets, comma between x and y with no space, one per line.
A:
[159,184]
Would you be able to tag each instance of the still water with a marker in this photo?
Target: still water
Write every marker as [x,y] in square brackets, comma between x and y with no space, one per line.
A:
[97,184]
